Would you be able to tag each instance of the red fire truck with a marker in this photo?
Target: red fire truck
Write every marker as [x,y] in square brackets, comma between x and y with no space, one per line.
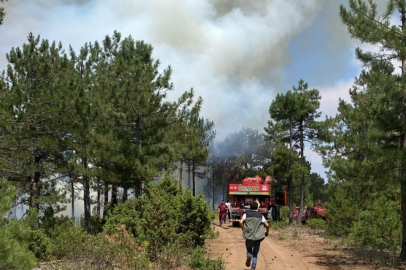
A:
[267,192]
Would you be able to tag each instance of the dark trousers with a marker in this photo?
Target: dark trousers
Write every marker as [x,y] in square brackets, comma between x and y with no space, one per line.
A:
[253,249]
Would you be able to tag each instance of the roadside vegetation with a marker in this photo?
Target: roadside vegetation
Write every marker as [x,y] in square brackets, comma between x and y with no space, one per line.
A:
[163,229]
[98,121]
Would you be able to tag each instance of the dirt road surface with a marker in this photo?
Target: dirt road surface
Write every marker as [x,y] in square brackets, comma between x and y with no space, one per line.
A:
[273,254]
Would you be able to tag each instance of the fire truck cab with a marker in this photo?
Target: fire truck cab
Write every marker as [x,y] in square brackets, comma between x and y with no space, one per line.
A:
[266,191]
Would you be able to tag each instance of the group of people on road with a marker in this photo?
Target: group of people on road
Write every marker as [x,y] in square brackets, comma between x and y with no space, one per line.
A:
[255,228]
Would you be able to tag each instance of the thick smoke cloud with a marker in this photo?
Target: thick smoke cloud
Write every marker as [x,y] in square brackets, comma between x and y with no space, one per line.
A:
[231,52]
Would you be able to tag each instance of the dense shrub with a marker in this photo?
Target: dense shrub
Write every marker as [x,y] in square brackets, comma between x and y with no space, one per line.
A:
[76,249]
[14,234]
[165,214]
[380,227]
[67,241]
[276,225]
[316,223]
[40,244]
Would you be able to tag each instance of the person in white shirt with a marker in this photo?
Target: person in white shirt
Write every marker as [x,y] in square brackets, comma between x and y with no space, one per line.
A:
[228,204]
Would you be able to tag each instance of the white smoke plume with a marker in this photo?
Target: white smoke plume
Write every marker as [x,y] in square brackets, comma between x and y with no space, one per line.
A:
[232,52]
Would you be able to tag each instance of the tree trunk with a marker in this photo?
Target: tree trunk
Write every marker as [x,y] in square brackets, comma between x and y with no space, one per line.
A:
[222,194]
[35,187]
[72,187]
[403,170]
[137,188]
[125,194]
[113,195]
[98,206]
[181,173]
[302,181]
[86,198]
[106,199]
[213,188]
[291,207]
[403,206]
[193,178]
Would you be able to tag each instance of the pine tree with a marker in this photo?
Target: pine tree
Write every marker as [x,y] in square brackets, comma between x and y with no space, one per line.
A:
[81,122]
[318,188]
[293,121]
[32,101]
[2,12]
[136,116]
[199,134]
[370,133]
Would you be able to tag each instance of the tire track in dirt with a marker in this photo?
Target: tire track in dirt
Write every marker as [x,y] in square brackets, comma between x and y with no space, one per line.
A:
[273,254]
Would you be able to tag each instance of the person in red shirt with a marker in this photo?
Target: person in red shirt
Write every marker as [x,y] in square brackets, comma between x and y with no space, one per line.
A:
[222,209]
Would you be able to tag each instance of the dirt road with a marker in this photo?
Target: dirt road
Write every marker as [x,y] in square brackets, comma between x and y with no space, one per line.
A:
[273,254]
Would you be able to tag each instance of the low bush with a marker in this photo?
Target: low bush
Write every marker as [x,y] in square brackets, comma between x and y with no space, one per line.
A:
[67,241]
[276,225]
[214,215]
[40,244]
[211,234]
[316,223]
[165,214]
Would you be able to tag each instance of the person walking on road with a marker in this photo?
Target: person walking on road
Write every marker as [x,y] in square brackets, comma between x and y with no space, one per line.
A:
[228,204]
[222,209]
[252,223]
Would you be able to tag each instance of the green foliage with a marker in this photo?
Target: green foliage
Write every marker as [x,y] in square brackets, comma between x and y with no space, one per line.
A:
[2,12]
[211,234]
[40,244]
[341,209]
[214,215]
[67,240]
[100,114]
[284,212]
[277,225]
[379,227]
[318,188]
[31,118]
[165,214]
[292,122]
[14,234]
[128,214]
[199,261]
[316,223]
[368,136]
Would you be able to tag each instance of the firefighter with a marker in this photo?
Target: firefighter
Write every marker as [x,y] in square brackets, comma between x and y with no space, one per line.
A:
[252,223]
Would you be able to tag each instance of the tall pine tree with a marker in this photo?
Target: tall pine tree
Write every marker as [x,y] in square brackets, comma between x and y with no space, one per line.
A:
[293,121]
[32,104]
[368,154]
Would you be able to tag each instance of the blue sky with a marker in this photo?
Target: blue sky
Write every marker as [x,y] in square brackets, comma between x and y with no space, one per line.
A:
[236,54]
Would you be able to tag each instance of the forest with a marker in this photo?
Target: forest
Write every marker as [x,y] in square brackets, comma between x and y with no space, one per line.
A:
[99,120]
